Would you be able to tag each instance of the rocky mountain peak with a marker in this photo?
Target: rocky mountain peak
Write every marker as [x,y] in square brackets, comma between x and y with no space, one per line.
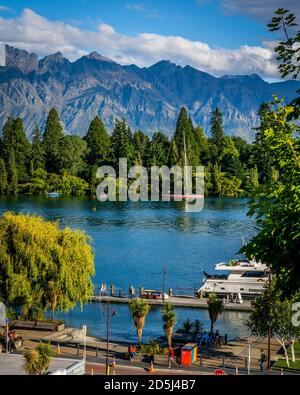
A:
[21,59]
[97,56]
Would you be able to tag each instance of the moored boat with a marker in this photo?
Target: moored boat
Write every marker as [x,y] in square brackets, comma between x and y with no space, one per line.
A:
[244,279]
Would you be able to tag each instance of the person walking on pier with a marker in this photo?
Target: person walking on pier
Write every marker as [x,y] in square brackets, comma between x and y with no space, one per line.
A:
[101,290]
[131,292]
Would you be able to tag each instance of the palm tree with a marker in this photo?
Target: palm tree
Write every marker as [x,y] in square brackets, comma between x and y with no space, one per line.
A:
[186,327]
[197,328]
[169,318]
[139,311]
[215,307]
[152,348]
[37,361]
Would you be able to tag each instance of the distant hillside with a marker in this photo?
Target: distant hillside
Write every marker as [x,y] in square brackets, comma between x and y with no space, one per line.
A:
[148,98]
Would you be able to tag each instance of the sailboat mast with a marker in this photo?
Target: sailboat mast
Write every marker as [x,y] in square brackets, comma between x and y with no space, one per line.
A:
[186,189]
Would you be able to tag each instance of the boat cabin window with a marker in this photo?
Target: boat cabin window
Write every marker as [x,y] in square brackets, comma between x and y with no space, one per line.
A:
[254,274]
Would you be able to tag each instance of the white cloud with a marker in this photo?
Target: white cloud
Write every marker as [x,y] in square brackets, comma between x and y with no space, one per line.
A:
[35,33]
[5,9]
[261,9]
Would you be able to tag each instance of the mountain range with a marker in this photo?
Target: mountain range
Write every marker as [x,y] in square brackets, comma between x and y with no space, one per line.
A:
[148,98]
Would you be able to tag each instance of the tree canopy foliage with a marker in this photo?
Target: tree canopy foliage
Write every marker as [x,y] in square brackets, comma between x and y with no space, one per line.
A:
[68,164]
[38,258]
[278,147]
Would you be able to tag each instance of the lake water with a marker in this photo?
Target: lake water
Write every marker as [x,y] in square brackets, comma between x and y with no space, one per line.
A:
[134,241]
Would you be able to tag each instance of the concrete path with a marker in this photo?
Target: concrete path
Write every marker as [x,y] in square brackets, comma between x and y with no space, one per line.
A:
[188,302]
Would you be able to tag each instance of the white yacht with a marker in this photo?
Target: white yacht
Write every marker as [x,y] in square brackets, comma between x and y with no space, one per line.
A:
[245,279]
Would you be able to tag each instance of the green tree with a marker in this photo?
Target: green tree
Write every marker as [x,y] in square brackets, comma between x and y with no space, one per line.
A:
[36,362]
[122,143]
[158,150]
[215,308]
[12,173]
[173,156]
[217,132]
[216,181]
[14,139]
[278,242]
[185,132]
[52,294]
[37,151]
[270,315]
[169,319]
[203,146]
[69,185]
[73,150]
[3,177]
[187,327]
[34,252]
[252,181]
[141,145]
[287,51]
[139,310]
[98,144]
[52,141]
[197,328]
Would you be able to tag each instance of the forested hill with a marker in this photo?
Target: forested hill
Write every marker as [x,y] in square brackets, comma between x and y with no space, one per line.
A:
[148,98]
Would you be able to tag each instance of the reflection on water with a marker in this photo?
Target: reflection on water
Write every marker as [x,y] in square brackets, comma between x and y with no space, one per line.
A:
[134,241]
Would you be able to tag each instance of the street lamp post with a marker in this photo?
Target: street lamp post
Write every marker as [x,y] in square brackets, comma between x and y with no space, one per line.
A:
[249,355]
[7,329]
[109,315]
[84,329]
[164,282]
[269,326]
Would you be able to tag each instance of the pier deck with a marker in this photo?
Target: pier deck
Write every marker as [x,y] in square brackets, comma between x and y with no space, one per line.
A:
[188,302]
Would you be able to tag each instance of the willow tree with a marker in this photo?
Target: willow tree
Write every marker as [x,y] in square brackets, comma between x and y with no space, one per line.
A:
[43,266]
[139,310]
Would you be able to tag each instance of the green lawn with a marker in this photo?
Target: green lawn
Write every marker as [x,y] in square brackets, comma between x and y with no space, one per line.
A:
[281,364]
[297,350]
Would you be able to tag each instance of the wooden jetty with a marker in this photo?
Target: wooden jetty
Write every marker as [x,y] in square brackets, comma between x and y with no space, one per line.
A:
[187,302]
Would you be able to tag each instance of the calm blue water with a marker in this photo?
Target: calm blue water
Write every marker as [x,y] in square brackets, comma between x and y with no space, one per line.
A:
[134,241]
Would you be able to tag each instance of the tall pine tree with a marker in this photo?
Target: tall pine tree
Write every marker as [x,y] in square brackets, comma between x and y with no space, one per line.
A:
[3,177]
[217,133]
[122,144]
[14,138]
[37,151]
[184,131]
[52,141]
[98,143]
[12,173]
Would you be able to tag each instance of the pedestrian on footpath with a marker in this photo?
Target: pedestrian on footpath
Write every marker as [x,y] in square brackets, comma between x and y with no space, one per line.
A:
[171,357]
[262,360]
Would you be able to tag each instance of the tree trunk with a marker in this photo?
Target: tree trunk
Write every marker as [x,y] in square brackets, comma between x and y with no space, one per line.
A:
[293,350]
[211,327]
[52,310]
[282,343]
[286,355]
[169,332]
[139,323]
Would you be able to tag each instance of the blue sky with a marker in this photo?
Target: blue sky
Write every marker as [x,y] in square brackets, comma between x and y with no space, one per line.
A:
[218,36]
[206,21]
